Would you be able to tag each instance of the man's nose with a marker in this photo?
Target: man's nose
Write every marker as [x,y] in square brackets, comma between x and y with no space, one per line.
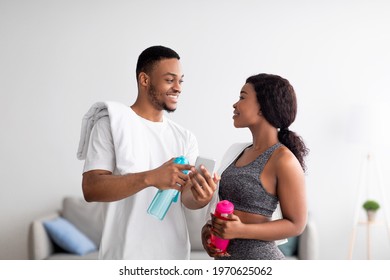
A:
[177,87]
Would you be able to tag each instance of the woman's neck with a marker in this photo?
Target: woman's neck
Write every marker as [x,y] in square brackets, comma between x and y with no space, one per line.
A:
[264,138]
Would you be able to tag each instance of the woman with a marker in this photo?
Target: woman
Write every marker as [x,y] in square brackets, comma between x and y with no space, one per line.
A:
[268,171]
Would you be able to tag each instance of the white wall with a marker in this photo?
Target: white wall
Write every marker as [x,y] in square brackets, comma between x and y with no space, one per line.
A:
[58,57]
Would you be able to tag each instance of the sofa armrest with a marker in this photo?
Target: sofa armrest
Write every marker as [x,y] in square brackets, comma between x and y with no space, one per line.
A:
[308,243]
[40,245]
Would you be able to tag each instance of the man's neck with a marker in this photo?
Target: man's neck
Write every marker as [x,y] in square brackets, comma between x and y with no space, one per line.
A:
[148,113]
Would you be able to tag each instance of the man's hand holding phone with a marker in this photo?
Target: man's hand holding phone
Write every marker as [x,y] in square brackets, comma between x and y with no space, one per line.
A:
[203,182]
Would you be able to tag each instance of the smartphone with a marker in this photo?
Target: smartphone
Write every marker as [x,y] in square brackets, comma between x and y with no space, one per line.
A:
[208,163]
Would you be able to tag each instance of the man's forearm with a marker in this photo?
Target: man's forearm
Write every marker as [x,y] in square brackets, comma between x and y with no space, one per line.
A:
[189,201]
[104,187]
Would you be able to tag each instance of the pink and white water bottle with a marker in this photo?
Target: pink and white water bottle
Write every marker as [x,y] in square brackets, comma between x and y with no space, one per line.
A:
[223,209]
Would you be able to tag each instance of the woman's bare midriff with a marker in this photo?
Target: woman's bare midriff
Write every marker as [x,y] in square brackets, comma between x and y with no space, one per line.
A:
[250,218]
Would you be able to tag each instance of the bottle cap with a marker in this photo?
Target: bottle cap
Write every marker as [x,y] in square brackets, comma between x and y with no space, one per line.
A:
[181,160]
[225,206]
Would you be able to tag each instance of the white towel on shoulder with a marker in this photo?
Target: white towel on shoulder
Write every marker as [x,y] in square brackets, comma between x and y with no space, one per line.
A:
[98,110]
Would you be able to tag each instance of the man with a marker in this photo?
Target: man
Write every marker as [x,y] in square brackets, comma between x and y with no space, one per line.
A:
[129,155]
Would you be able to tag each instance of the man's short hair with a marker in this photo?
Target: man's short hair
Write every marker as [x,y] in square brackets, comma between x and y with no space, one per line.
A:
[149,57]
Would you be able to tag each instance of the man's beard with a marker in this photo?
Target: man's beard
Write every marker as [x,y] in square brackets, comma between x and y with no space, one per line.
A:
[159,105]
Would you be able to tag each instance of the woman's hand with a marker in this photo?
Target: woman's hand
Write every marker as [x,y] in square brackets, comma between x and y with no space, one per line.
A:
[229,228]
[211,250]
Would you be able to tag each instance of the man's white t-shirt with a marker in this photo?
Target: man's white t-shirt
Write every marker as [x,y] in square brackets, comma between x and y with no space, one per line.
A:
[129,231]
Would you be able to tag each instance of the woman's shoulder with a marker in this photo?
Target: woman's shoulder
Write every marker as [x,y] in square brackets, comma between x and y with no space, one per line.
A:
[283,157]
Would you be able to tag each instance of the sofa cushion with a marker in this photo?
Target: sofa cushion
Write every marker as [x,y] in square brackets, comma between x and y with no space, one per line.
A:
[86,216]
[290,248]
[68,237]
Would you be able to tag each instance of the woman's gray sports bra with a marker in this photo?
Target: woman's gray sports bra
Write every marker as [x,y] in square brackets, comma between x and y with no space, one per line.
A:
[242,186]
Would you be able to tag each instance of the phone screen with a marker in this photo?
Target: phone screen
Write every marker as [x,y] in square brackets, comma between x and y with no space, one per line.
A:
[208,163]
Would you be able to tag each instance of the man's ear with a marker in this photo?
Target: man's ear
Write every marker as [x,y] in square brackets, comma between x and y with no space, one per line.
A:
[143,79]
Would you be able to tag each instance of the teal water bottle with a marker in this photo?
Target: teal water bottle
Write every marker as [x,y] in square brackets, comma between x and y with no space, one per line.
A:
[164,198]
